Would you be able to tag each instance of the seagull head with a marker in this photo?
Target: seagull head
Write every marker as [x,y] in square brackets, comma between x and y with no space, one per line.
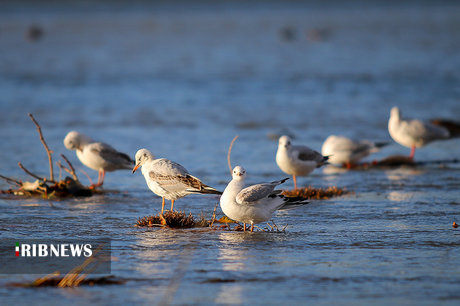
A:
[395,113]
[238,173]
[284,142]
[141,157]
[74,140]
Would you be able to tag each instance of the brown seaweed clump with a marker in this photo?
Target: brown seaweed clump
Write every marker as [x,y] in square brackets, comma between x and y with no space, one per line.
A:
[172,219]
[313,193]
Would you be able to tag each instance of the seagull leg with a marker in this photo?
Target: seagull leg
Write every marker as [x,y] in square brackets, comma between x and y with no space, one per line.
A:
[172,205]
[252,227]
[412,152]
[162,205]
[100,178]
[244,227]
[295,182]
[103,177]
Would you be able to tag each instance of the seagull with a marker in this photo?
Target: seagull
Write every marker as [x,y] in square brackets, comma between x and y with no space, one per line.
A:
[297,160]
[345,151]
[168,179]
[98,156]
[256,203]
[413,133]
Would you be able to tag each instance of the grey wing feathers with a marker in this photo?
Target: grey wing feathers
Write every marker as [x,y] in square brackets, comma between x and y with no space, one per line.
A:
[253,193]
[307,154]
[169,173]
[420,130]
[108,153]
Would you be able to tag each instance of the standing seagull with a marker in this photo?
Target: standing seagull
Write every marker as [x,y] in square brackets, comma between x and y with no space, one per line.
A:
[256,203]
[297,160]
[345,151]
[413,133]
[168,179]
[98,156]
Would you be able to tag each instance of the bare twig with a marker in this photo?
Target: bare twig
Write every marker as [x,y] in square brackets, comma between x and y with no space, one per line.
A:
[45,278]
[10,180]
[32,174]
[213,216]
[60,166]
[229,152]
[48,151]
[72,169]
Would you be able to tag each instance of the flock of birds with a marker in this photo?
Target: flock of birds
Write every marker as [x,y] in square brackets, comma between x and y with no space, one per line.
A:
[253,204]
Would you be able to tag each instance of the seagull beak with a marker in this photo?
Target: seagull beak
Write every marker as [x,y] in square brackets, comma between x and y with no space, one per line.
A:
[135,168]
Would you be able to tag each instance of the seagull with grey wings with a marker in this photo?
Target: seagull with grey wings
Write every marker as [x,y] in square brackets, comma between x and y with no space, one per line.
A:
[98,156]
[297,160]
[414,133]
[256,203]
[168,179]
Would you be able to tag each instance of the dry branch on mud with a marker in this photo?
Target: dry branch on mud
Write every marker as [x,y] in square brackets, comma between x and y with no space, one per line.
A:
[47,187]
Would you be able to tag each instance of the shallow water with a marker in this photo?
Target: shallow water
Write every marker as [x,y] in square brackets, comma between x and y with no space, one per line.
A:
[183,80]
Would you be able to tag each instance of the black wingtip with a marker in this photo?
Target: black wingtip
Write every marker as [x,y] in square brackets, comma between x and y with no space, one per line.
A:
[381,144]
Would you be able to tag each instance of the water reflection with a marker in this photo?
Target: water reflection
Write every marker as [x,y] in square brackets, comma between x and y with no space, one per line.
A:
[233,257]
[331,169]
[400,196]
[402,173]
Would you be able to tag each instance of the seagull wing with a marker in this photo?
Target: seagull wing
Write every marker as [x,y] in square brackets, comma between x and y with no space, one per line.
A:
[252,194]
[306,154]
[418,129]
[111,155]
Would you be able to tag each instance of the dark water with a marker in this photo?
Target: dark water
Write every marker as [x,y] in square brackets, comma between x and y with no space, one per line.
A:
[182,80]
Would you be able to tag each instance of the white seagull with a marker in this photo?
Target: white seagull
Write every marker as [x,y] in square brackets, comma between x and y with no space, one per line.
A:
[168,179]
[98,156]
[413,133]
[256,203]
[345,151]
[297,160]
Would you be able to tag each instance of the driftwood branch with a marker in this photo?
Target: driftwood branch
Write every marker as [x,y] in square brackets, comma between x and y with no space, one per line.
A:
[229,152]
[48,151]
[72,169]
[31,174]
[10,180]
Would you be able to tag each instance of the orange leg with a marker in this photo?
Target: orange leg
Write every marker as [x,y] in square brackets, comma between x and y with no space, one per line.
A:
[100,178]
[252,227]
[244,227]
[162,205]
[172,205]
[412,152]
[295,182]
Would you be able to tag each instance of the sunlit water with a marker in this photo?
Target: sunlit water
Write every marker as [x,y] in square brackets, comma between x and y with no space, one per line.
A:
[183,82]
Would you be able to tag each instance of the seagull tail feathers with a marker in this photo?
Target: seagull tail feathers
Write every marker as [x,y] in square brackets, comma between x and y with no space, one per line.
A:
[292,202]
[205,189]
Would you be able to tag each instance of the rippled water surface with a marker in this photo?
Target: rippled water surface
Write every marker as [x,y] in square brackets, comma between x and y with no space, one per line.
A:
[183,80]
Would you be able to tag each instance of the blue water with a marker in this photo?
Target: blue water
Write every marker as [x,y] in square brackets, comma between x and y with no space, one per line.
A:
[182,80]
